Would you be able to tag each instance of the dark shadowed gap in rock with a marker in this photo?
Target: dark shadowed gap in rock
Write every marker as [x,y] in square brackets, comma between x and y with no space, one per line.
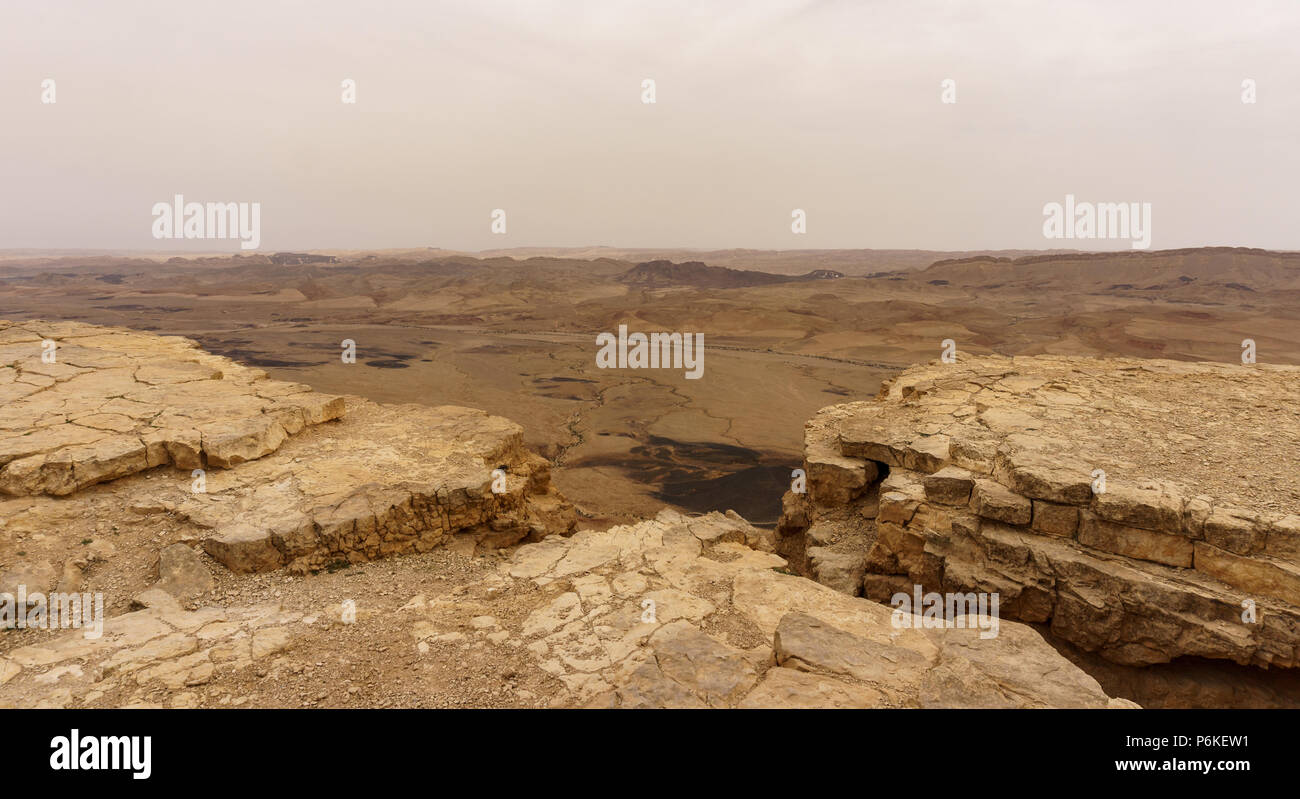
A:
[1186,682]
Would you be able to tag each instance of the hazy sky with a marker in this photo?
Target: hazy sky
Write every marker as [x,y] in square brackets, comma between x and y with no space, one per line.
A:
[762,107]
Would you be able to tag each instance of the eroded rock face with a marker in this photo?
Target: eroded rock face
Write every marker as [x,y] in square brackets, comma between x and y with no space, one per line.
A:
[685,612]
[994,483]
[384,480]
[673,612]
[392,479]
[82,404]
[291,491]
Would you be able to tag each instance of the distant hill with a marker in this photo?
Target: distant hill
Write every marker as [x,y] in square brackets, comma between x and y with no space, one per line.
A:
[659,274]
[1220,271]
[850,262]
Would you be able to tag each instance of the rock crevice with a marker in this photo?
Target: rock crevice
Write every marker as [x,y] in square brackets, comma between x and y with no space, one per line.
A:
[1089,494]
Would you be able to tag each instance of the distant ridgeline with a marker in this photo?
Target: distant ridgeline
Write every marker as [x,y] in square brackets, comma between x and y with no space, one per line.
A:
[696,273]
[291,258]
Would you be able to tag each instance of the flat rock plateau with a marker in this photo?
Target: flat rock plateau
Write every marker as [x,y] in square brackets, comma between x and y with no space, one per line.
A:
[1141,512]
[259,544]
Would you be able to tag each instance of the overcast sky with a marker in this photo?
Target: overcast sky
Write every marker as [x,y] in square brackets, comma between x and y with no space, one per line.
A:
[762,107]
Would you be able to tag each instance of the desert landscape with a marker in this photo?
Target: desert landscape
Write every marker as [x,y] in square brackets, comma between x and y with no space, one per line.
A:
[388,389]
[515,336]
[330,480]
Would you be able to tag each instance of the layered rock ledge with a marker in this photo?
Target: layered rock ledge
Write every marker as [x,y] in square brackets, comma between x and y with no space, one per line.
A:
[676,611]
[383,480]
[289,490]
[671,612]
[392,479]
[83,404]
[1145,510]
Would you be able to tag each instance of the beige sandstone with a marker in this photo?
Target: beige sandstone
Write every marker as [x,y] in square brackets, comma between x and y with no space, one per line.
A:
[992,465]
[676,611]
[116,402]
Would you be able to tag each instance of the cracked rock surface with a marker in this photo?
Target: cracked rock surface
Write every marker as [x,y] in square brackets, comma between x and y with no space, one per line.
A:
[672,612]
[295,492]
[683,612]
[276,581]
[81,404]
[1144,510]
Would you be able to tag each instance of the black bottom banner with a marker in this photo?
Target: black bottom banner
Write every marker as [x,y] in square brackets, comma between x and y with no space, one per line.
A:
[334,748]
